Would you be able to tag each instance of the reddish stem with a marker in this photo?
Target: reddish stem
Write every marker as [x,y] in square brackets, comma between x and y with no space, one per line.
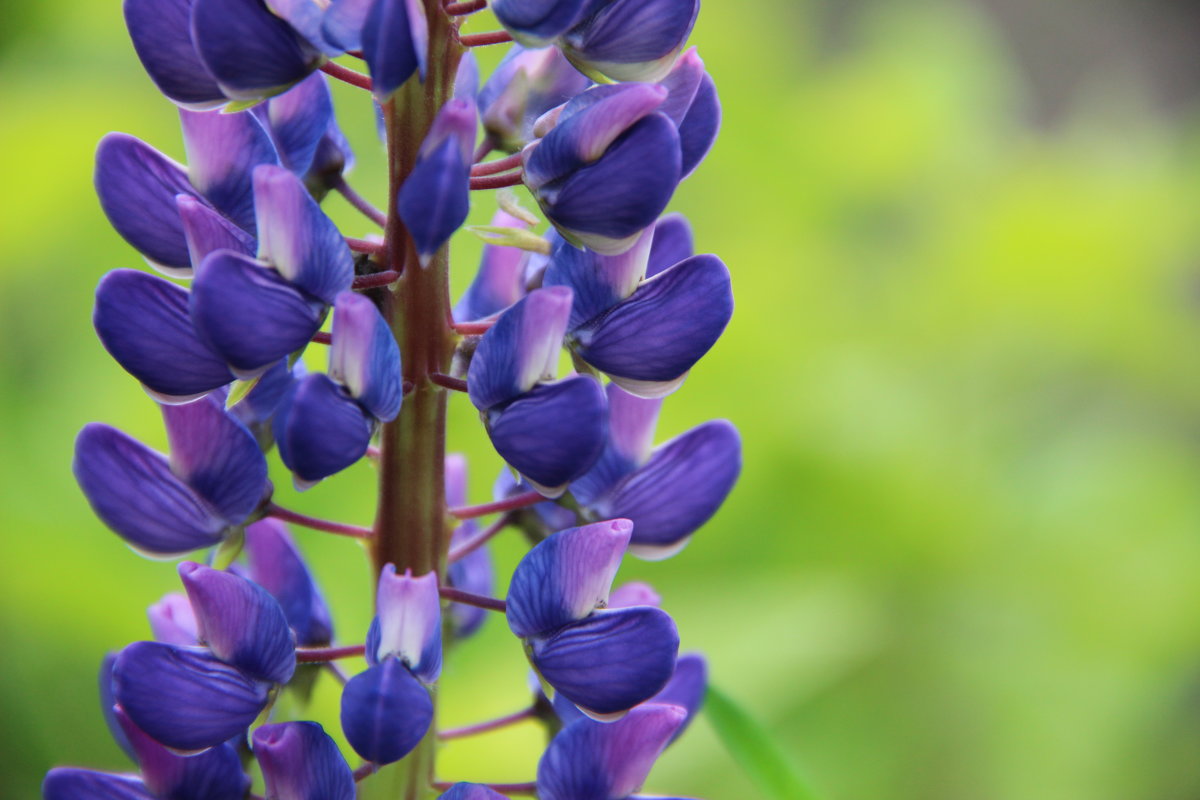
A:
[484,727]
[478,540]
[322,337]
[499,165]
[322,655]
[473,328]
[481,39]
[317,524]
[365,246]
[366,770]
[376,279]
[361,203]
[503,788]
[497,181]
[477,600]
[507,504]
[347,75]
[447,382]
[467,7]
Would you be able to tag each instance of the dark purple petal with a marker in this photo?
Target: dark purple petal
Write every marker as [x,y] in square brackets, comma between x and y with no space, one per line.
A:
[672,244]
[276,565]
[611,661]
[137,186]
[365,357]
[132,490]
[184,697]
[259,404]
[681,83]
[409,611]
[320,429]
[552,434]
[631,422]
[248,314]
[172,621]
[394,39]
[607,204]
[217,456]
[525,85]
[296,237]
[248,50]
[686,688]
[222,152]
[385,712]
[535,23]
[240,622]
[457,120]
[566,577]
[70,783]
[679,488]
[633,40]
[143,323]
[435,199]
[597,282]
[299,118]
[470,791]
[215,774]
[206,230]
[590,760]
[698,131]
[108,704]
[162,36]
[343,23]
[650,341]
[521,349]
[500,280]
[301,762]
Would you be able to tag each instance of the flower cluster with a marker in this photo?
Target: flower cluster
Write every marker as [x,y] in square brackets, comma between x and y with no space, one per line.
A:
[599,111]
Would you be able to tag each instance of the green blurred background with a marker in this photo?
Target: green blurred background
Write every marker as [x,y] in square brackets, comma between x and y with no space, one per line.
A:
[963,560]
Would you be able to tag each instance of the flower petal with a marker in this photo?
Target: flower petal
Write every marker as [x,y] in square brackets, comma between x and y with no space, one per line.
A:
[240,622]
[143,323]
[698,131]
[566,577]
[394,39]
[248,314]
[71,783]
[184,697]
[682,82]
[633,40]
[206,229]
[162,36]
[296,237]
[597,282]
[320,430]
[634,593]
[536,23]
[248,50]
[525,85]
[410,622]
[365,357]
[215,774]
[299,118]
[435,198]
[552,434]
[108,705]
[686,688]
[301,762]
[672,243]
[277,565]
[222,152]
[385,712]
[652,339]
[133,492]
[343,23]
[521,349]
[172,621]
[500,281]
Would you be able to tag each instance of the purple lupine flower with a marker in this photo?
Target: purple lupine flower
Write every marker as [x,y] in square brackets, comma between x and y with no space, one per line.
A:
[274,563]
[434,201]
[631,40]
[215,478]
[473,572]
[394,36]
[500,280]
[301,762]
[525,85]
[604,660]
[215,774]
[537,23]
[693,106]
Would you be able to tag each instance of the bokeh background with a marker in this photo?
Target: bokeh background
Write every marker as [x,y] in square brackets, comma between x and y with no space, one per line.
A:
[963,560]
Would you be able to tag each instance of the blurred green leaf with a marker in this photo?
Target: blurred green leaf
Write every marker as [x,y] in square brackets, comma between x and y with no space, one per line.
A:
[755,751]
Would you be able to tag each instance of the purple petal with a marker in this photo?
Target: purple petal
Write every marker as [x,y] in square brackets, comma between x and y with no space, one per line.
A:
[521,349]
[679,488]
[240,622]
[471,573]
[410,622]
[633,40]
[590,760]
[470,791]
[466,81]
[686,688]
[634,593]
[343,23]
[672,244]
[143,323]
[566,577]
[535,23]
[108,705]
[698,131]
[222,152]
[435,199]
[258,406]
[333,157]
[681,83]
[296,237]
[385,712]
[305,17]
[71,783]
[132,490]
[249,314]
[276,565]
[552,434]
[597,282]
[301,762]
[299,118]
[162,36]
[206,229]
[500,280]
[248,50]
[456,120]
[631,422]
[394,39]
[137,186]
[217,456]
[320,429]
[215,774]
[172,621]
[365,357]
[185,698]
[650,341]
[525,85]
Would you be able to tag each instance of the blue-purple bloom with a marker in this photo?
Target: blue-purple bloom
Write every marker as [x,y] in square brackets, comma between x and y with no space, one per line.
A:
[301,762]
[434,201]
